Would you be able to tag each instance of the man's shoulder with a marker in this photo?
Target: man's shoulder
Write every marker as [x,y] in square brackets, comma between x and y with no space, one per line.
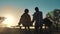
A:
[40,11]
[23,15]
[37,12]
[34,13]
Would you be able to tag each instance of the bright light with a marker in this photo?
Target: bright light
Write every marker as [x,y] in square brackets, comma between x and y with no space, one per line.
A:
[43,26]
[9,20]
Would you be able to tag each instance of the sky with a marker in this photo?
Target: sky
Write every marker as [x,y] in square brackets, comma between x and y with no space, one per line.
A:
[15,8]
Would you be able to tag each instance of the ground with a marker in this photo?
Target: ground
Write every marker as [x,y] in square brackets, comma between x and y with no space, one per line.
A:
[6,30]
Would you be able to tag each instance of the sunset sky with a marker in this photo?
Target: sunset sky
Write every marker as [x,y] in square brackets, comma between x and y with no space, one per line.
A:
[12,9]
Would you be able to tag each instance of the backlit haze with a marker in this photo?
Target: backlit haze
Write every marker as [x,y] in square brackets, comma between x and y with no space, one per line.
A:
[11,14]
[13,9]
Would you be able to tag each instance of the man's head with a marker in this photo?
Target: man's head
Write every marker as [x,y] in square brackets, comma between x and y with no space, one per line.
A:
[36,9]
[26,11]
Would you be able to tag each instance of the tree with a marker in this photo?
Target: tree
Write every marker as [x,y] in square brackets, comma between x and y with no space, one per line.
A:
[2,19]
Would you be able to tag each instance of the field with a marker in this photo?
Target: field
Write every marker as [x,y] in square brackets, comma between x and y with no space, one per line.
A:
[6,30]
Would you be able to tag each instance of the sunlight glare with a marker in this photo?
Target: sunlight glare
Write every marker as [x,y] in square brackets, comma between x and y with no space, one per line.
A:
[9,20]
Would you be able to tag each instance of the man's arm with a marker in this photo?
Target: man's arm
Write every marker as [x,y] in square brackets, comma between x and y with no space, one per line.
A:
[19,22]
[33,19]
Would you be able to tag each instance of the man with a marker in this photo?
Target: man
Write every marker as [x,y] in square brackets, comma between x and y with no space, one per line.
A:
[48,23]
[25,19]
[37,17]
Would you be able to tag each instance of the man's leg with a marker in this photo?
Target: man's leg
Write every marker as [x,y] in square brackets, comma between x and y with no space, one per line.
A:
[36,29]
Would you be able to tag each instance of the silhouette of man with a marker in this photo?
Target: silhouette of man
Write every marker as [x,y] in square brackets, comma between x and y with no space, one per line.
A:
[48,23]
[37,17]
[25,19]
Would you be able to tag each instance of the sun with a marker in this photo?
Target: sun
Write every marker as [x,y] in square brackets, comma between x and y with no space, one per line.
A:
[9,20]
